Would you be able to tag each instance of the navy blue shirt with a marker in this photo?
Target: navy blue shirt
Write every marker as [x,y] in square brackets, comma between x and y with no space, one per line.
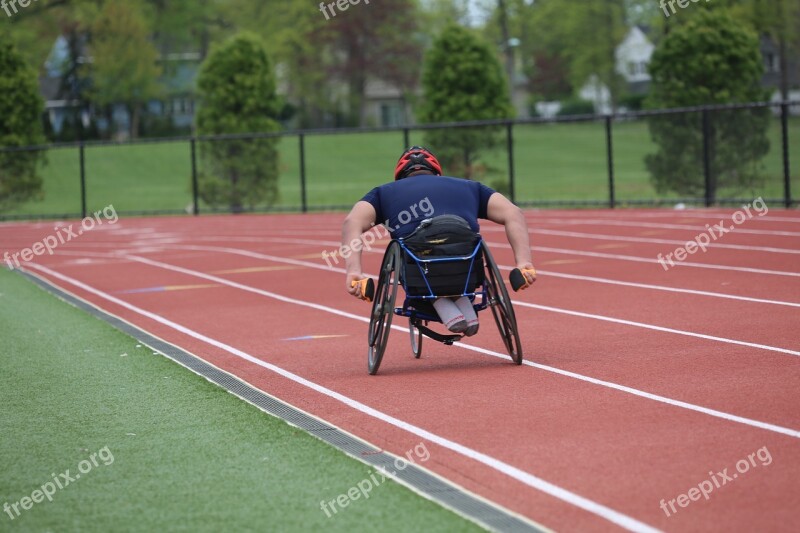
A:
[403,204]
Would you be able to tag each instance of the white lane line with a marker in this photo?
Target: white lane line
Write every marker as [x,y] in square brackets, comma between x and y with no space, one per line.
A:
[542,249]
[662,288]
[677,214]
[376,249]
[531,480]
[623,388]
[535,248]
[638,224]
[648,260]
[597,236]
[657,328]
[257,255]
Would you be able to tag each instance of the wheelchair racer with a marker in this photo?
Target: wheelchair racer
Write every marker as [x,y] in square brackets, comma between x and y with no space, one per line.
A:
[418,176]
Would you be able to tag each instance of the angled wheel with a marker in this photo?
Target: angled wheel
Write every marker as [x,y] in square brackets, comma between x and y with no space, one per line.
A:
[380,320]
[416,338]
[503,312]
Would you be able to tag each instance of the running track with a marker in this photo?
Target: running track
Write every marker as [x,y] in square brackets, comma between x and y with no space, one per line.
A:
[639,383]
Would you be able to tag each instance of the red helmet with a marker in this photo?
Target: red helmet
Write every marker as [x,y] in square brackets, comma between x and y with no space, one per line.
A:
[416,158]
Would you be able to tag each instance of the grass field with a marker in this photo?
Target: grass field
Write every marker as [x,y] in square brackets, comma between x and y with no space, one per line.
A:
[176,452]
[552,162]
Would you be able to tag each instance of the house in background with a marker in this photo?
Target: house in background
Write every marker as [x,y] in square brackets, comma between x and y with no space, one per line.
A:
[633,59]
[386,105]
[65,87]
[772,72]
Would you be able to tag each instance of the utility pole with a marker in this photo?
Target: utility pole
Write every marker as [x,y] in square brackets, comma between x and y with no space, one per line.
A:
[507,48]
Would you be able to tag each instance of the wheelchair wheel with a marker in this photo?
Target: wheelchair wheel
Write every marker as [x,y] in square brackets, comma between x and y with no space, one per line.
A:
[380,320]
[416,338]
[502,309]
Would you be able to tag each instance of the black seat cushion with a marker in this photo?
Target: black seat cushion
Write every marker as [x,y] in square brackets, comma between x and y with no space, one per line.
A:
[442,237]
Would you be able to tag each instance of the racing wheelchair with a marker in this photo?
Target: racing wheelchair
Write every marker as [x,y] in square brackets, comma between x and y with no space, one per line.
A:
[442,258]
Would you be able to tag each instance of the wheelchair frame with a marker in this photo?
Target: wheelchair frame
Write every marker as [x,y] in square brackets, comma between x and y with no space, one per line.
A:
[492,294]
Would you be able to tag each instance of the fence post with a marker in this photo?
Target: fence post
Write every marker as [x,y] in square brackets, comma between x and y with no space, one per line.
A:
[195,188]
[707,158]
[303,200]
[787,175]
[405,139]
[82,154]
[612,201]
[510,145]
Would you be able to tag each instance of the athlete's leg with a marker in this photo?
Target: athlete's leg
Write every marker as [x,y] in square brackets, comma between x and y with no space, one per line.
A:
[465,306]
[451,315]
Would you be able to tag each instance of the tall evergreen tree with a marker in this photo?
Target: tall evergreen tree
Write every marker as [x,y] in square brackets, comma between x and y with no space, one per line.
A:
[21,110]
[728,70]
[462,80]
[237,92]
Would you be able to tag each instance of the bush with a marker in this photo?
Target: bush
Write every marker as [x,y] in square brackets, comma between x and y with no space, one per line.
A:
[21,110]
[576,106]
[728,70]
[463,80]
[237,91]
[633,102]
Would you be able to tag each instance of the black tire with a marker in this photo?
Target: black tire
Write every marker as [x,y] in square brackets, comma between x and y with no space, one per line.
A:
[503,311]
[380,320]
[416,338]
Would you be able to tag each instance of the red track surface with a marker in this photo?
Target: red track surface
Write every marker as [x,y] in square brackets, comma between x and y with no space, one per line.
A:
[636,392]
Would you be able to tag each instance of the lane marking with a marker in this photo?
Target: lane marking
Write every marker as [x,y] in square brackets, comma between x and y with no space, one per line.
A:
[610,246]
[638,224]
[688,213]
[657,328]
[563,262]
[254,269]
[639,259]
[622,388]
[531,480]
[598,236]
[258,255]
[314,337]
[167,288]
[563,251]
[515,302]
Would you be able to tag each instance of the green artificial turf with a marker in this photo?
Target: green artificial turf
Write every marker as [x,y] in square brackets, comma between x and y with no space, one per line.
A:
[176,453]
[552,162]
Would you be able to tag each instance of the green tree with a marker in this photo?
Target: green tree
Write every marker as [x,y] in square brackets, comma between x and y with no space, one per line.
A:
[21,110]
[124,68]
[237,93]
[712,59]
[584,36]
[462,80]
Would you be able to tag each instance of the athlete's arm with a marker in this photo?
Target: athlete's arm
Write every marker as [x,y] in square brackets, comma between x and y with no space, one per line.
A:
[502,211]
[360,219]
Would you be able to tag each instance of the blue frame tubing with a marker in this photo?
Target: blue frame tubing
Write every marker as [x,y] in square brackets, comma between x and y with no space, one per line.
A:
[492,293]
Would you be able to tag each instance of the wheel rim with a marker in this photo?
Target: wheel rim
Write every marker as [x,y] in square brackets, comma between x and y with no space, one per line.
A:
[416,339]
[383,308]
[502,310]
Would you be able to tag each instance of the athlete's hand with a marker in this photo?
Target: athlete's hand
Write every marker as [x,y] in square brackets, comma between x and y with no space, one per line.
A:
[528,273]
[352,285]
